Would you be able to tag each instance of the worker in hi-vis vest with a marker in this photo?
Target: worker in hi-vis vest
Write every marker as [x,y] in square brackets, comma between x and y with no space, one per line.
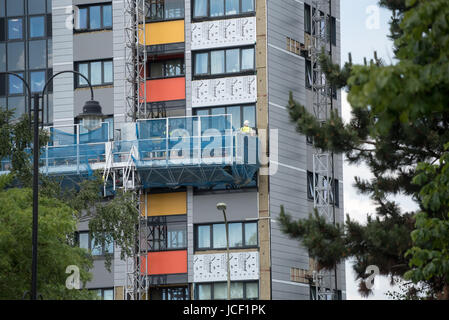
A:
[246,128]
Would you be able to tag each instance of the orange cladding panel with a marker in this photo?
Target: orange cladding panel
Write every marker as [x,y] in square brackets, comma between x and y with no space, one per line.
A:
[166,89]
[165,262]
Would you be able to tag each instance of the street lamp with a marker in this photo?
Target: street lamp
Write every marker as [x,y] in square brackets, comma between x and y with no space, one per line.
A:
[92,112]
[222,207]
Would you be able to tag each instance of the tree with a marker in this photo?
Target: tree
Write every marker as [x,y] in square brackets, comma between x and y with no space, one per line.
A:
[56,252]
[61,209]
[399,119]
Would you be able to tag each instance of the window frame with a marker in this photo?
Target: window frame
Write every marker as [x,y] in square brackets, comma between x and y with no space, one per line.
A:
[88,28]
[45,25]
[186,292]
[24,25]
[242,106]
[164,65]
[211,236]
[209,75]
[335,194]
[224,16]
[212,285]
[102,290]
[89,241]
[172,220]
[164,18]
[89,63]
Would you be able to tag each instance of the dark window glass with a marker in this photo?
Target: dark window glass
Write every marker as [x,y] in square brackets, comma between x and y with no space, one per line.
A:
[216,8]
[203,236]
[15,84]
[2,57]
[307,19]
[308,74]
[107,16]
[49,8]
[157,70]
[333,26]
[217,64]
[237,290]
[232,7]
[247,6]
[219,236]
[15,29]
[200,8]
[252,290]
[235,235]
[36,6]
[156,9]
[16,56]
[236,118]
[49,26]
[37,27]
[174,9]
[84,240]
[37,81]
[174,68]
[50,52]
[95,17]
[2,8]
[3,86]
[232,60]
[14,7]
[108,72]
[201,63]
[249,113]
[204,292]
[83,68]
[18,104]
[248,59]
[251,234]
[95,73]
[2,29]
[82,18]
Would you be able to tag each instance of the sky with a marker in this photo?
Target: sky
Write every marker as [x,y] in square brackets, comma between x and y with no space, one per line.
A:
[364,29]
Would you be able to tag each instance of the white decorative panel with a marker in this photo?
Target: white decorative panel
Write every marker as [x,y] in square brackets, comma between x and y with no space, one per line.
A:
[223,33]
[224,91]
[212,267]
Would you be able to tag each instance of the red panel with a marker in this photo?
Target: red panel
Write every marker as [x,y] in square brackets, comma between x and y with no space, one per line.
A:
[166,89]
[165,262]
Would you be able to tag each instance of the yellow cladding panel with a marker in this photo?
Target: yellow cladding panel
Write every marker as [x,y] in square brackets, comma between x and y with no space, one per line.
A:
[164,204]
[164,32]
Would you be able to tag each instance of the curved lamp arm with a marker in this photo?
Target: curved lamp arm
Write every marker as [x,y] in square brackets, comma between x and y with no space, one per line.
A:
[28,89]
[74,72]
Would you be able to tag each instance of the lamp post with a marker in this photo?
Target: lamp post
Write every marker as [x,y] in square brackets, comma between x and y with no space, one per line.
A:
[92,112]
[222,207]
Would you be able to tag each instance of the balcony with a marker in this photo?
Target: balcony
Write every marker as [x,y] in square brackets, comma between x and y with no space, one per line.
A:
[185,151]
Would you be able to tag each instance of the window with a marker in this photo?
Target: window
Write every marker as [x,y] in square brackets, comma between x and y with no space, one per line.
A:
[15,84]
[333,31]
[329,295]
[86,241]
[15,29]
[239,115]
[37,60]
[222,62]
[307,19]
[169,293]
[167,233]
[213,236]
[37,27]
[14,7]
[2,57]
[166,69]
[2,29]
[98,73]
[37,81]
[294,46]
[94,17]
[104,294]
[322,181]
[165,9]
[309,80]
[239,290]
[36,6]
[220,8]
[16,56]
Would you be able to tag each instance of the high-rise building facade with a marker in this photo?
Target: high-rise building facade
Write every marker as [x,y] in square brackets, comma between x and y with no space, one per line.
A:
[177,75]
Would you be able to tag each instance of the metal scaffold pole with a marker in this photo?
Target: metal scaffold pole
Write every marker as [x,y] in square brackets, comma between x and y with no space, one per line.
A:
[136,287]
[323,161]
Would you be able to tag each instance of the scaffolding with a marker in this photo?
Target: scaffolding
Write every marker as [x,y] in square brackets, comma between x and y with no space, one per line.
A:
[323,162]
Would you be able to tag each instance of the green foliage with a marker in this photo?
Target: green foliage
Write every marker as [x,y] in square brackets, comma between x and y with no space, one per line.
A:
[399,126]
[55,249]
